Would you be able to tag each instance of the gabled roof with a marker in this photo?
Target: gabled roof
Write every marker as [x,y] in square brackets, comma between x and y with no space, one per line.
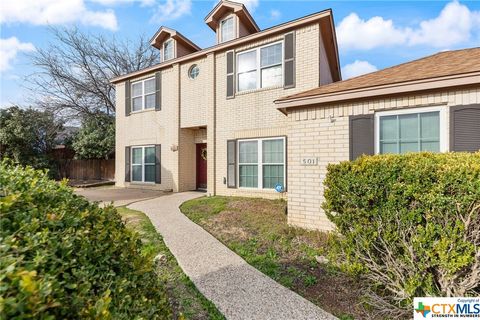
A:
[430,72]
[165,32]
[281,28]
[239,9]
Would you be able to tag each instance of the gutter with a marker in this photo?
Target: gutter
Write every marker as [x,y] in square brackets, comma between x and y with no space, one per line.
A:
[229,44]
[458,80]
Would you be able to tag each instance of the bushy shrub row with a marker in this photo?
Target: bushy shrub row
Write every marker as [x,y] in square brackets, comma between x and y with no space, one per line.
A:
[64,258]
[408,224]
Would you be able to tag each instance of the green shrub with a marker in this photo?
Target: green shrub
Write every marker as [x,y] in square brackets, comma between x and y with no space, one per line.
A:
[408,224]
[64,258]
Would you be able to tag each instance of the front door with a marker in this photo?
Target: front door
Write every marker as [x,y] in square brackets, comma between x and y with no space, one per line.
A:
[201,166]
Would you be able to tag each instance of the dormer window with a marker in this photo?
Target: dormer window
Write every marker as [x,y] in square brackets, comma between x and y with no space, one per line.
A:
[230,20]
[227,30]
[168,50]
[172,44]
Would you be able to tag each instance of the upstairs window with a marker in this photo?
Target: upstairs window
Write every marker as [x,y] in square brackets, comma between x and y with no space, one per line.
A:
[260,68]
[143,95]
[227,31]
[168,50]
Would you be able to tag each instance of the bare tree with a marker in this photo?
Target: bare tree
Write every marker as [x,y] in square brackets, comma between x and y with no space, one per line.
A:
[74,71]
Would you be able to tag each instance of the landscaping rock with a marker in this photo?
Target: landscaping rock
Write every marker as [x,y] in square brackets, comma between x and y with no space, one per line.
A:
[159,258]
[322,259]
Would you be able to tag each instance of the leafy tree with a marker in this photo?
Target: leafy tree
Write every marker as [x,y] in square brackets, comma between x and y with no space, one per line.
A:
[75,69]
[28,135]
[96,138]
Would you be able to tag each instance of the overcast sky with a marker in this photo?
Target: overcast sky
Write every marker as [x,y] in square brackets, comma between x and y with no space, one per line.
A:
[371,35]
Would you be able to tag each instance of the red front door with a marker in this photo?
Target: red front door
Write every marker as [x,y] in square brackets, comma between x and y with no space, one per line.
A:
[201,166]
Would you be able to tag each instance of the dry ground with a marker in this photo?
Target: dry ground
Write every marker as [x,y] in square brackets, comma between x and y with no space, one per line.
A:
[257,230]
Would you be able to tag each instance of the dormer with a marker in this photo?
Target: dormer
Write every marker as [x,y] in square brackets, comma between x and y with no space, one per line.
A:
[231,20]
[172,44]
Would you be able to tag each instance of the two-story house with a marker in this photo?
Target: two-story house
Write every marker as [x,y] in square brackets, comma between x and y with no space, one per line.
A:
[264,111]
[206,118]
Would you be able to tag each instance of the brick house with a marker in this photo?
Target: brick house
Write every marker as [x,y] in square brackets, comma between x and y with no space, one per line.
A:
[430,104]
[246,116]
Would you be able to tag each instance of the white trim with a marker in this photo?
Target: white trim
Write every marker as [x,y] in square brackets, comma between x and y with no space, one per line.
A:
[260,163]
[221,30]
[258,68]
[173,50]
[443,113]
[142,165]
[444,82]
[190,69]
[143,95]
[285,27]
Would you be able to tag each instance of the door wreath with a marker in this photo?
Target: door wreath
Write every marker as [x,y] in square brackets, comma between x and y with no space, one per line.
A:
[203,154]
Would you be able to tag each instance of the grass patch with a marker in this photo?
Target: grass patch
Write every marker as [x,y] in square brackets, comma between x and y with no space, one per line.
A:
[186,301]
[257,230]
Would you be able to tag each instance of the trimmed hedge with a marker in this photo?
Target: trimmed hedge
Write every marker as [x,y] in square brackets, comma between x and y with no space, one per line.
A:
[408,224]
[64,258]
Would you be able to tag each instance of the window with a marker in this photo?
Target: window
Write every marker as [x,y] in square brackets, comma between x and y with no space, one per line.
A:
[260,68]
[271,65]
[193,72]
[143,164]
[248,164]
[168,50]
[407,131]
[226,29]
[143,94]
[273,163]
[261,163]
[247,71]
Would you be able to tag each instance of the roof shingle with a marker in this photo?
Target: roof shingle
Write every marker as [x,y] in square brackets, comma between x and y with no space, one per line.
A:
[447,63]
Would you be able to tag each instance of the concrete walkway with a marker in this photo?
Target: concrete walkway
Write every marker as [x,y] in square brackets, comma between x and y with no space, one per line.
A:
[117,196]
[237,289]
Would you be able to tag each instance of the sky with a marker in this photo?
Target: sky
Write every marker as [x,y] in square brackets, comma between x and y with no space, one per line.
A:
[371,35]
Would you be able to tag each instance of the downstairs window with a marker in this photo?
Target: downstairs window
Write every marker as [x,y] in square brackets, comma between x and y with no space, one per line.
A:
[261,163]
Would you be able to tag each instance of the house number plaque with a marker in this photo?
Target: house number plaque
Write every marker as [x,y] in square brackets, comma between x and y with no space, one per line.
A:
[309,161]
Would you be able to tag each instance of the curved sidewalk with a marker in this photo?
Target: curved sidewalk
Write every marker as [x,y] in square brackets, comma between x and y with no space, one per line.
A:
[237,289]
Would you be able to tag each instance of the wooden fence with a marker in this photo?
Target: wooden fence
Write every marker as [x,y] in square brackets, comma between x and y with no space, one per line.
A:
[93,169]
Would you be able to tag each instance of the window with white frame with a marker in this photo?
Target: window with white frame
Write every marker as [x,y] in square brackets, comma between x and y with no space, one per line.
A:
[410,131]
[168,50]
[143,94]
[227,30]
[261,163]
[143,164]
[260,68]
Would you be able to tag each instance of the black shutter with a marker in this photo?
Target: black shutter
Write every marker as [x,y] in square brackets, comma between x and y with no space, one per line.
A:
[128,101]
[158,91]
[230,74]
[158,166]
[361,130]
[127,164]
[465,128]
[231,163]
[289,60]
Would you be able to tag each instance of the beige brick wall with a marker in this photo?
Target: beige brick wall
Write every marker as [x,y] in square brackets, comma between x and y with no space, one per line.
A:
[311,133]
[150,127]
[193,112]
[194,94]
[201,136]
[187,164]
[253,114]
